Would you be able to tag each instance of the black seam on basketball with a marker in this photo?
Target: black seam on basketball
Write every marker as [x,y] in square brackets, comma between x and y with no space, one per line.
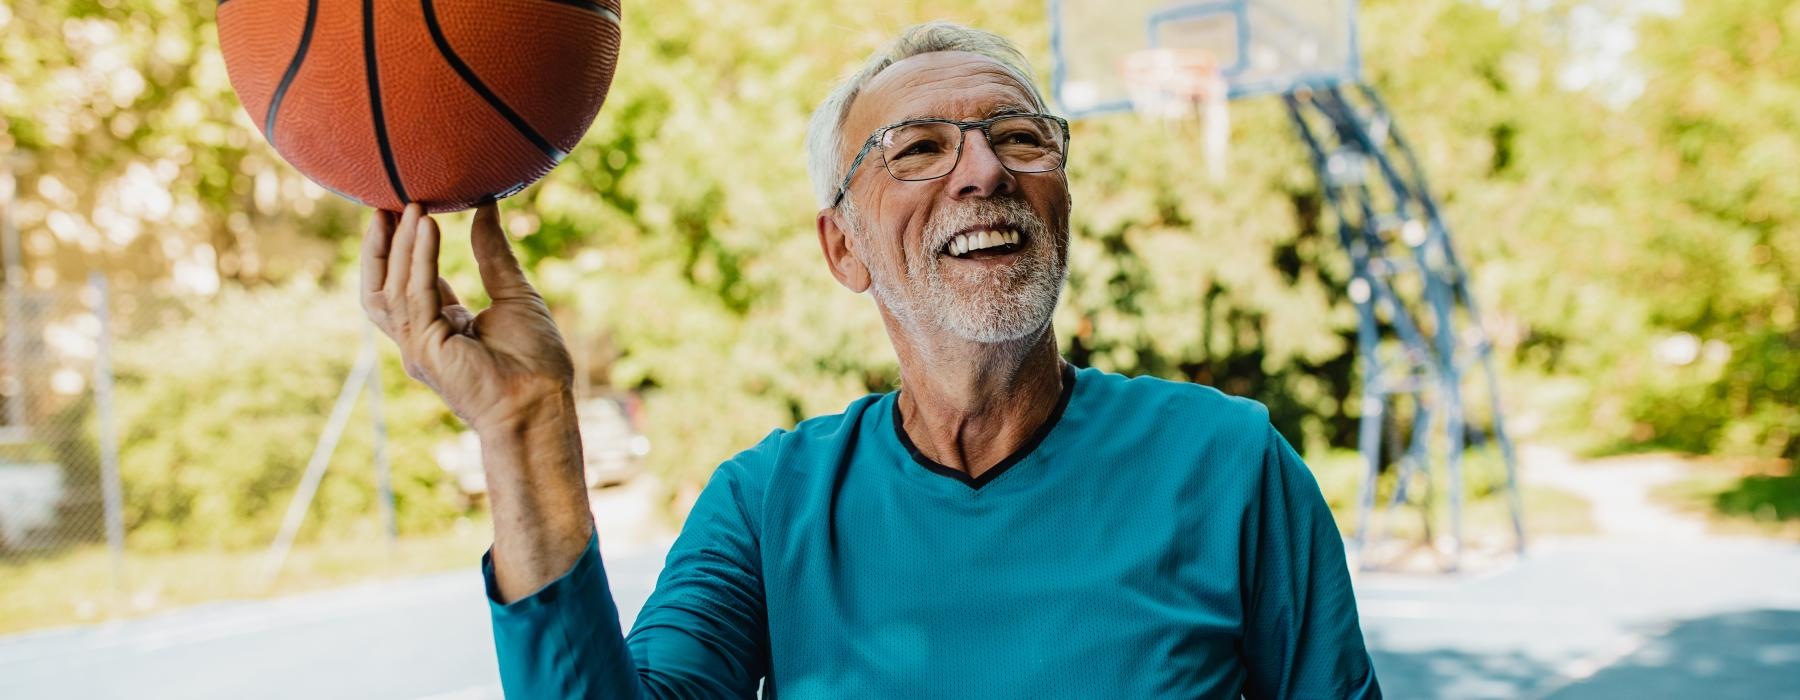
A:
[593,7]
[474,82]
[293,69]
[369,67]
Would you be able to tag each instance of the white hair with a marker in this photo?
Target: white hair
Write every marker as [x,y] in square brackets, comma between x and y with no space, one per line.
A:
[824,134]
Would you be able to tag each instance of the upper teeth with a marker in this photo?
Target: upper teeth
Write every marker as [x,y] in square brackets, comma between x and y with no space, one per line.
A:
[977,240]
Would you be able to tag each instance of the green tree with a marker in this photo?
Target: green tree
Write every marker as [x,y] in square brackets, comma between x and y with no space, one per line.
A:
[677,245]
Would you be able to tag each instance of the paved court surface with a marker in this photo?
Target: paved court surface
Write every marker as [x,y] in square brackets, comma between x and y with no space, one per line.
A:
[1715,618]
[1708,618]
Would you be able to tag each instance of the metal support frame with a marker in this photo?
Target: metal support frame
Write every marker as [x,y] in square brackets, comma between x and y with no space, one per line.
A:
[364,376]
[1407,285]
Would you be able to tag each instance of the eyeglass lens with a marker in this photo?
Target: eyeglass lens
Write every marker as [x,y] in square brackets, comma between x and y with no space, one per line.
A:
[928,150]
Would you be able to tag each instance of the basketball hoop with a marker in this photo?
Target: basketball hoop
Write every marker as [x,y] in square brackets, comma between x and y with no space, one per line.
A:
[1176,84]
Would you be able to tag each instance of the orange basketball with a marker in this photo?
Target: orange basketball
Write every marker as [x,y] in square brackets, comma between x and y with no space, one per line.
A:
[449,103]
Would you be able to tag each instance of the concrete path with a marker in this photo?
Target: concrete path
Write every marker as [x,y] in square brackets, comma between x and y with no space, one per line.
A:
[1651,607]
[1618,490]
[425,637]
[1596,618]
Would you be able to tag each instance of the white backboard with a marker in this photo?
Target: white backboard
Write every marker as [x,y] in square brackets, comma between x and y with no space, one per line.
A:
[1262,46]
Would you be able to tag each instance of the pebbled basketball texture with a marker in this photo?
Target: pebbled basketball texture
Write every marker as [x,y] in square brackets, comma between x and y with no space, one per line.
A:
[449,103]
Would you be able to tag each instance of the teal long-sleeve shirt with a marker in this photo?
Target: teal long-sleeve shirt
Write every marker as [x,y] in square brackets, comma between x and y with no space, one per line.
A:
[1153,539]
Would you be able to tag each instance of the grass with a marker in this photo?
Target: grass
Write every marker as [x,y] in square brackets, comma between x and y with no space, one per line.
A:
[1486,515]
[80,586]
[1739,496]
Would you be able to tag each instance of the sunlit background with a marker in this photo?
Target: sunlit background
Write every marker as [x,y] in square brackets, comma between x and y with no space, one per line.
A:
[182,339]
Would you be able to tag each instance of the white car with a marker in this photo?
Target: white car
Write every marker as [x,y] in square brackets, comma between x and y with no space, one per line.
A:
[613,445]
[29,496]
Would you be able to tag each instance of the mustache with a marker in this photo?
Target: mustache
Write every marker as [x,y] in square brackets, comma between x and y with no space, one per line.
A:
[982,213]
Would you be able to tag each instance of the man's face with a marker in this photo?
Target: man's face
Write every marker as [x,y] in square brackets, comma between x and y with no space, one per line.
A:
[902,231]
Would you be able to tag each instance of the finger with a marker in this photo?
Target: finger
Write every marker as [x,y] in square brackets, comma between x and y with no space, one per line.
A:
[375,250]
[399,261]
[459,316]
[500,271]
[447,294]
[422,301]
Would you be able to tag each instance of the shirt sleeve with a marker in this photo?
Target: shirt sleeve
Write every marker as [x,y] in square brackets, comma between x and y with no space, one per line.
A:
[701,634]
[1301,638]
[563,640]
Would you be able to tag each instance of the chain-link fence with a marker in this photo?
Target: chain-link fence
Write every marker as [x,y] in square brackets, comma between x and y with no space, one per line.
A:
[59,480]
[160,447]
[156,450]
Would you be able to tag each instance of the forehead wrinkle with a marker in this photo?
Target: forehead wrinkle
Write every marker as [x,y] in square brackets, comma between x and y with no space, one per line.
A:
[962,91]
[935,74]
[968,109]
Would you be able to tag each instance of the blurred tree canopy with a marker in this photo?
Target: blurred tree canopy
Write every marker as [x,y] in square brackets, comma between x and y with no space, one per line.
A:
[1638,259]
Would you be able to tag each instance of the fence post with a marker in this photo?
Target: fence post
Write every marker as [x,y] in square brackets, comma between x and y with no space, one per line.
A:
[110,488]
[12,385]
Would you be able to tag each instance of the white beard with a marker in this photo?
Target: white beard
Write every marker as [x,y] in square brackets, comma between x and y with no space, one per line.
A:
[984,306]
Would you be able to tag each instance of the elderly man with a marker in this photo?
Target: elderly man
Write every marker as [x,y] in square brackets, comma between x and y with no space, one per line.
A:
[1004,526]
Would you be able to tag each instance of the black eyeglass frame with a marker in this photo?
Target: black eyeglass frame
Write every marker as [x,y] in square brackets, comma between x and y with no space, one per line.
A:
[984,125]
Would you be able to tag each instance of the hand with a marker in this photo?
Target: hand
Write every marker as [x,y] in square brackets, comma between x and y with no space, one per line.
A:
[499,370]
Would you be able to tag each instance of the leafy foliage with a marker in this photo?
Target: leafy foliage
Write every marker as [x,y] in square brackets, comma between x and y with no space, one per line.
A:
[677,242]
[220,411]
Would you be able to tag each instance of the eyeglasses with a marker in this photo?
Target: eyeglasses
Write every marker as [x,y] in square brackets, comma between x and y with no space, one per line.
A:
[924,149]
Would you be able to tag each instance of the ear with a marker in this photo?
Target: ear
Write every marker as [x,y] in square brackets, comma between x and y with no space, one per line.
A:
[835,241]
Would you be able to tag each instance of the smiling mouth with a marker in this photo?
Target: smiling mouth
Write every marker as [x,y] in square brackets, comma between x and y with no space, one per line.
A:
[980,243]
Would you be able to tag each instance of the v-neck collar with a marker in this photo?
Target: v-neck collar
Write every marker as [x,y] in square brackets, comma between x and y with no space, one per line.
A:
[1062,402]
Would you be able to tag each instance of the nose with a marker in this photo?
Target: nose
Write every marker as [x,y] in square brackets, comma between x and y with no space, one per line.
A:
[978,173]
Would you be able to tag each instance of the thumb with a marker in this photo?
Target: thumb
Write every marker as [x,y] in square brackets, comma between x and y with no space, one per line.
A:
[501,274]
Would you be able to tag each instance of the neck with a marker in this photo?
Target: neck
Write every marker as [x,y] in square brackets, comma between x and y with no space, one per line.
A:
[967,405]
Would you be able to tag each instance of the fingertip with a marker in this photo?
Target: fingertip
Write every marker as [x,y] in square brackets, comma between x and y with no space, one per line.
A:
[407,221]
[487,212]
[428,238]
[375,239]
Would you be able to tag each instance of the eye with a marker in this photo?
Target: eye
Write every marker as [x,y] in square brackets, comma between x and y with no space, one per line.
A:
[1021,138]
[919,148]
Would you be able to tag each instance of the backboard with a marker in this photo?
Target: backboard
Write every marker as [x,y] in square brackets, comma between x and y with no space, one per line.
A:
[1261,46]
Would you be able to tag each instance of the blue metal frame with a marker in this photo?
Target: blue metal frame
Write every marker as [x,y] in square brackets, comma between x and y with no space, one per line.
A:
[1364,218]
[1334,114]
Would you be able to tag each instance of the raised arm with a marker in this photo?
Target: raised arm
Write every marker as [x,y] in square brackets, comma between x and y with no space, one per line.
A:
[507,373]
